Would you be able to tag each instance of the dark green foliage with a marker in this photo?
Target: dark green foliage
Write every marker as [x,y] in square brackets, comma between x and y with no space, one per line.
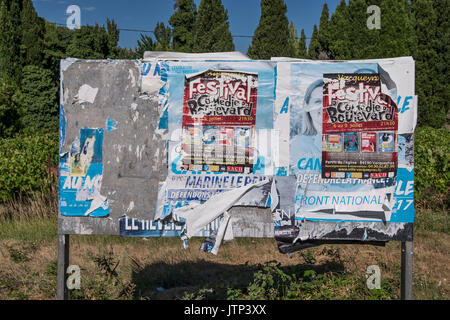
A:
[183,25]
[25,163]
[10,108]
[396,33]
[33,29]
[339,29]
[301,46]
[112,38]
[431,53]
[163,36]
[293,37]
[56,41]
[442,45]
[357,31]
[212,28]
[40,100]
[10,39]
[271,37]
[145,43]
[314,45]
[324,35]
[89,42]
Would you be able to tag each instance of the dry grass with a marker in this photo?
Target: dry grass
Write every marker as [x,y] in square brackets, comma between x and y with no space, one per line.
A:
[28,270]
[26,208]
[28,256]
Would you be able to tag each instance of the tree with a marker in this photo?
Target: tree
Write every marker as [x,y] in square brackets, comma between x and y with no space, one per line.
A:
[40,100]
[324,35]
[339,32]
[396,33]
[293,37]
[183,25]
[357,31]
[212,33]
[271,37]
[10,108]
[314,45]
[441,45]
[10,39]
[144,44]
[301,46]
[33,28]
[89,42]
[432,110]
[163,36]
[56,42]
[113,35]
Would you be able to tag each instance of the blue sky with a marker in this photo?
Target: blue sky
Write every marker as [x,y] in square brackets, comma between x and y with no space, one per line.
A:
[144,14]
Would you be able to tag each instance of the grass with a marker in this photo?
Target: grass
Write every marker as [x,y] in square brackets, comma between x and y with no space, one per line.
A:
[113,267]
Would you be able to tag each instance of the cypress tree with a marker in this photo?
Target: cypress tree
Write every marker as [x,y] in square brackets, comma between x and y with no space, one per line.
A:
[113,35]
[442,43]
[340,29]
[40,100]
[145,43]
[163,35]
[396,33]
[314,45]
[293,37]
[324,31]
[10,39]
[33,28]
[212,28]
[357,31]
[431,111]
[56,41]
[271,37]
[301,46]
[183,25]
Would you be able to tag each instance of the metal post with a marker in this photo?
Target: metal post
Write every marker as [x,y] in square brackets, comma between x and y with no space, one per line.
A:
[407,271]
[63,263]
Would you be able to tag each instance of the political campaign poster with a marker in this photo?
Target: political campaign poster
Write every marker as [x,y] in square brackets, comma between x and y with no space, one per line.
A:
[81,175]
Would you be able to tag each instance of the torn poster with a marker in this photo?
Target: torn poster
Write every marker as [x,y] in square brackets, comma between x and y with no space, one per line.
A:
[359,132]
[182,190]
[349,157]
[154,74]
[219,115]
[80,177]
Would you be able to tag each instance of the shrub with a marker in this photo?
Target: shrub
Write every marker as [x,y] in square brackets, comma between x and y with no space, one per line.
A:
[28,164]
[432,175]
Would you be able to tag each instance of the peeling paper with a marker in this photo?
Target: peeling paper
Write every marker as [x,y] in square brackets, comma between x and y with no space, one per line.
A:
[196,216]
[86,94]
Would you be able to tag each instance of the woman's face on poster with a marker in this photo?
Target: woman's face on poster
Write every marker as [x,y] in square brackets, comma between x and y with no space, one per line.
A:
[315,107]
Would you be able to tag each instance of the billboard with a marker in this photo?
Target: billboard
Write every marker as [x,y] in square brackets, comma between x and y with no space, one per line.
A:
[308,152]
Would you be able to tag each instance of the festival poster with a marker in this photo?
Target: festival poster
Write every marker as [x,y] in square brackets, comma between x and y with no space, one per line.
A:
[219,116]
[354,103]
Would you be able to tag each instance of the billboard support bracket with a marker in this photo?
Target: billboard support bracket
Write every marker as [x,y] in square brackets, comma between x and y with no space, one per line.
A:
[62,293]
[407,270]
